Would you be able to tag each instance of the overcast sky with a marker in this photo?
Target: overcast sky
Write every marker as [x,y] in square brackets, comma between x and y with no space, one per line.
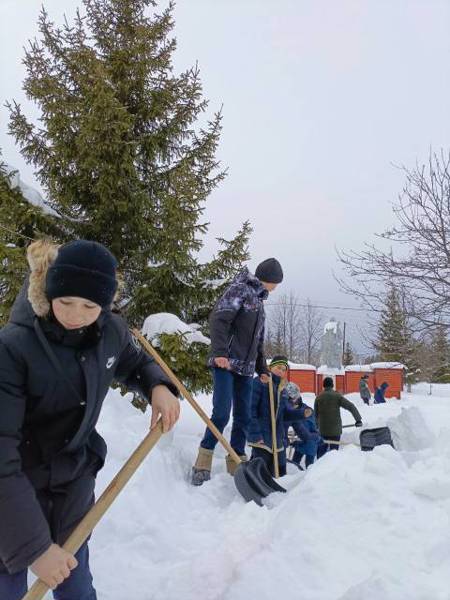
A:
[321,99]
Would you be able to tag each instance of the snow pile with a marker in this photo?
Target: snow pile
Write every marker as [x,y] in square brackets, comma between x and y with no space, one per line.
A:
[357,525]
[159,323]
[409,431]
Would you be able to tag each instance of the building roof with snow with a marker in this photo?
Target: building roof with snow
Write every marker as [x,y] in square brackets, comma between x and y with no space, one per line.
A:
[372,366]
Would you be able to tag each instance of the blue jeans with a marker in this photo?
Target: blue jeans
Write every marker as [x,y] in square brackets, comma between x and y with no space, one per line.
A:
[76,587]
[230,390]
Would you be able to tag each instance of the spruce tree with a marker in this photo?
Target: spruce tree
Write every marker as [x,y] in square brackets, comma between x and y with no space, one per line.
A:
[122,155]
[348,355]
[393,338]
[395,342]
[20,222]
[440,355]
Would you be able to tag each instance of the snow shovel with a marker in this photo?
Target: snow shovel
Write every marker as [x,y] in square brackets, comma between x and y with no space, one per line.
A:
[369,439]
[87,524]
[380,436]
[251,478]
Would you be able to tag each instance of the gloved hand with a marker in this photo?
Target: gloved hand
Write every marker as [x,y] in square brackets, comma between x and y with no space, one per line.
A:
[358,424]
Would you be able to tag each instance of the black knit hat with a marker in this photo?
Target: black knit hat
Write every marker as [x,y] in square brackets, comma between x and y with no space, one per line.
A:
[328,382]
[84,269]
[269,271]
[279,359]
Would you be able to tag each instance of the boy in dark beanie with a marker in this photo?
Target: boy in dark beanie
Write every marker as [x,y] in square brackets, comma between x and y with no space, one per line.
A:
[59,353]
[328,415]
[237,340]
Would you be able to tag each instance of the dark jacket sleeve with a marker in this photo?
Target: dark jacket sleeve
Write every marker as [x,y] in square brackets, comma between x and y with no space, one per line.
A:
[316,409]
[222,317]
[296,415]
[24,532]
[254,430]
[261,363]
[293,414]
[138,371]
[350,407]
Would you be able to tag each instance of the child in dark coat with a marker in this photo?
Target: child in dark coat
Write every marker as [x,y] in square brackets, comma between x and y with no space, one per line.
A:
[260,430]
[59,353]
[295,401]
[307,447]
[379,393]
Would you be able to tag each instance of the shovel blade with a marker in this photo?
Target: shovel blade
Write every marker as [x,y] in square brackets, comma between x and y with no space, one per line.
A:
[254,481]
[369,438]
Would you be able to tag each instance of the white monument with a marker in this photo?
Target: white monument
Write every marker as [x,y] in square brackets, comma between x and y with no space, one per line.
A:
[331,346]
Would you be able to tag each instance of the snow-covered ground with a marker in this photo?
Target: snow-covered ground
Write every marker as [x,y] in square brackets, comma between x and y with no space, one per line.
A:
[356,526]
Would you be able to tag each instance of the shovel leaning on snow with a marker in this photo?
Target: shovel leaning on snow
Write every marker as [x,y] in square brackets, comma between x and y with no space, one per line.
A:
[252,478]
[369,439]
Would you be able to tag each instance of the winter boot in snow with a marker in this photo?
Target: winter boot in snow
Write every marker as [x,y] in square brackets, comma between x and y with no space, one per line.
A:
[231,465]
[201,471]
[296,460]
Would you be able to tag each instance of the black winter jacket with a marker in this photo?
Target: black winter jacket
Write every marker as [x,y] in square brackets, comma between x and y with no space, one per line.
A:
[50,451]
[237,325]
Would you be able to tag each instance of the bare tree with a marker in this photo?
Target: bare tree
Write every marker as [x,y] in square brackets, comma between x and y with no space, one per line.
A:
[283,331]
[311,329]
[418,260]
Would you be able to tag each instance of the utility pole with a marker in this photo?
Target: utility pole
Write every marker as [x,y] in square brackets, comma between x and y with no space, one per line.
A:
[343,345]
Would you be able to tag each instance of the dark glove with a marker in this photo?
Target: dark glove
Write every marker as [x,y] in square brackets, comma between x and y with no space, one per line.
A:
[358,424]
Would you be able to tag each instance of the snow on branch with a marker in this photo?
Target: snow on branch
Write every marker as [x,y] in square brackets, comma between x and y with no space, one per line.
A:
[155,325]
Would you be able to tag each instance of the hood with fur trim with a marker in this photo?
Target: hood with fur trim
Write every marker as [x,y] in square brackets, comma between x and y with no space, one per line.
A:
[32,300]
[40,256]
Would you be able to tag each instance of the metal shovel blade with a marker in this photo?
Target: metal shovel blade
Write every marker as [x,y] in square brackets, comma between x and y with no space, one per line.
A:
[254,481]
[369,438]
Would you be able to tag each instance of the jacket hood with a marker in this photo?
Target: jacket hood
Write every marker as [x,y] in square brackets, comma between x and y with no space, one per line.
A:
[22,312]
[248,278]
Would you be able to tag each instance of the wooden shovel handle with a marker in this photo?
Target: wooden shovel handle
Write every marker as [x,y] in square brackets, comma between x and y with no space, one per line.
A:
[276,468]
[342,443]
[85,527]
[186,394]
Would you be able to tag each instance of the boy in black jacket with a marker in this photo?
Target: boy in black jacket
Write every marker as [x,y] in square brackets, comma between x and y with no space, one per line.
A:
[59,353]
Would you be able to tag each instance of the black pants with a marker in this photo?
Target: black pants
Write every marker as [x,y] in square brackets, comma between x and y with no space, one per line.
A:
[309,460]
[324,448]
[268,459]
